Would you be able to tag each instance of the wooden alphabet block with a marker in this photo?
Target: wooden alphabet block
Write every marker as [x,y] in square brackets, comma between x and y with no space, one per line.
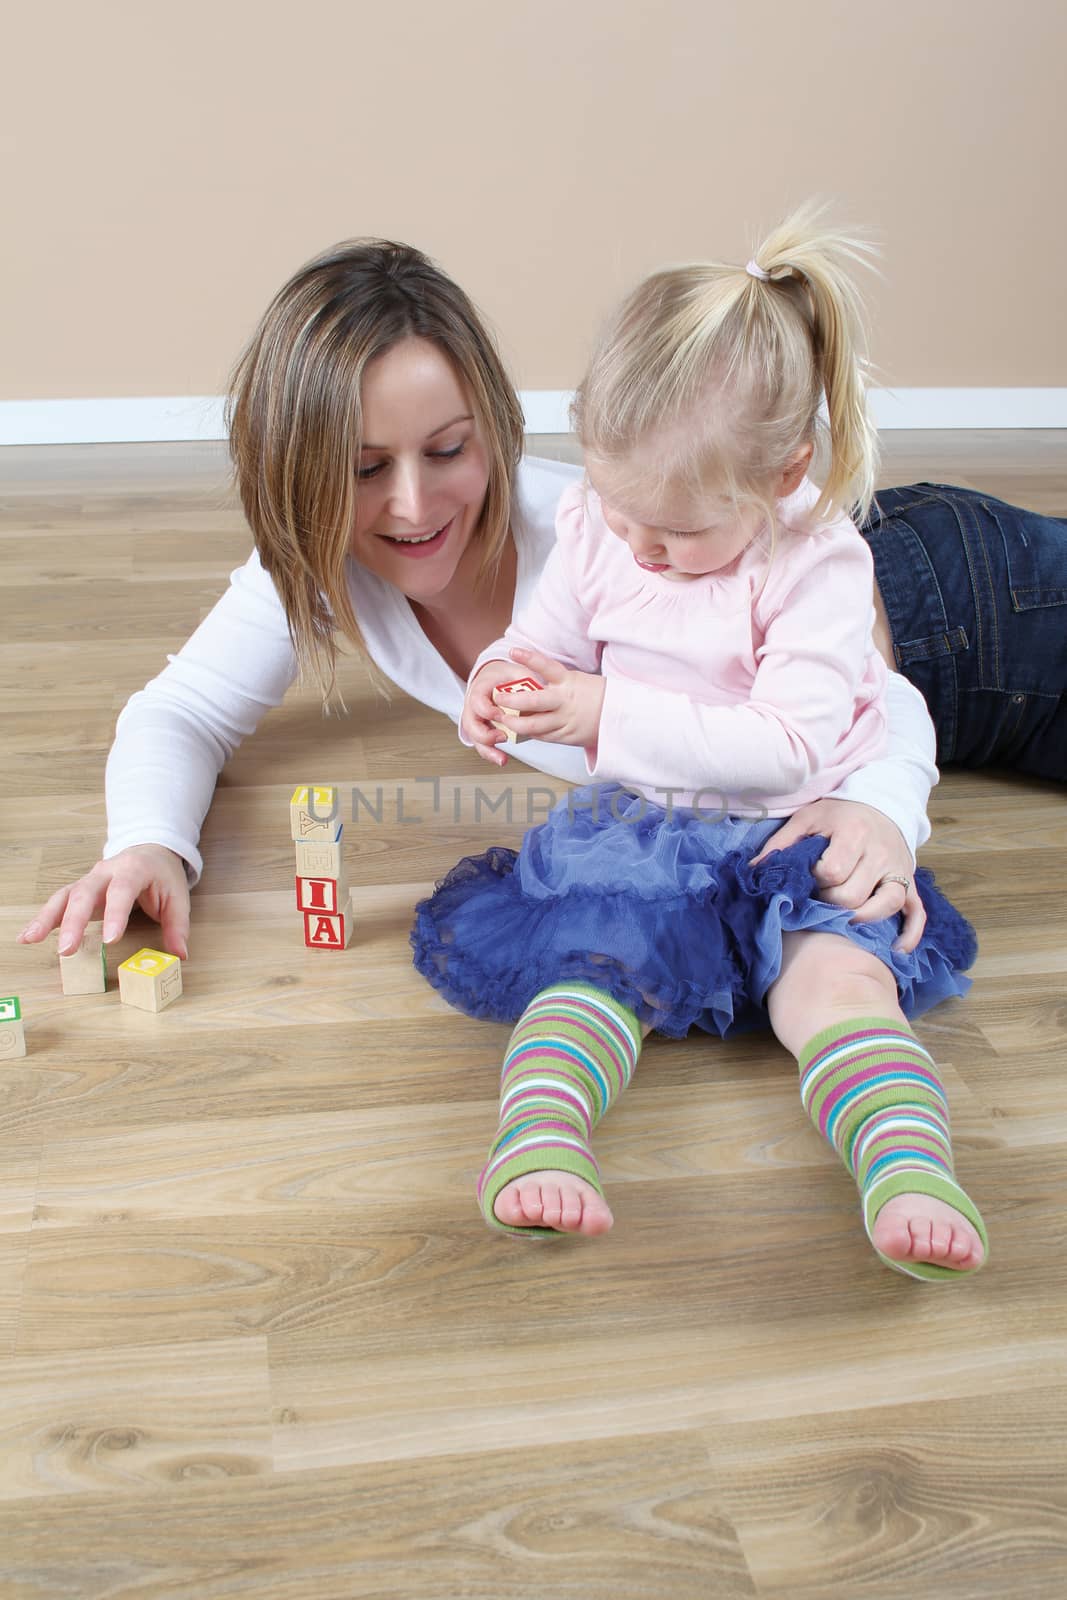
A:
[315,813]
[315,858]
[12,1029]
[516,686]
[323,931]
[85,972]
[321,894]
[150,980]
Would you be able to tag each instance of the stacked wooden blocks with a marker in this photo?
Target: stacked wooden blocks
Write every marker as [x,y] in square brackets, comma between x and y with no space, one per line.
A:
[322,892]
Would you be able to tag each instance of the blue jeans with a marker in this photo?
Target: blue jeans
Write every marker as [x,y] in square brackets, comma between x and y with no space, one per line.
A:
[976,596]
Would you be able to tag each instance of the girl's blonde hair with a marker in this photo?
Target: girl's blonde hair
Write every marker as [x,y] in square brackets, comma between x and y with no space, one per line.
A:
[295,423]
[717,374]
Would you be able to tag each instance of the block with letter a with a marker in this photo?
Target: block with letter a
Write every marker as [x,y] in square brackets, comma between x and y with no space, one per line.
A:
[325,930]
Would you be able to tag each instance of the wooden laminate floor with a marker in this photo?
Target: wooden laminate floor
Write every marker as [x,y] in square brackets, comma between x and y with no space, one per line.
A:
[255,1340]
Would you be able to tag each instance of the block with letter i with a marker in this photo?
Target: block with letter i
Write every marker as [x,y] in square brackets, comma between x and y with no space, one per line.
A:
[85,972]
[12,1029]
[150,980]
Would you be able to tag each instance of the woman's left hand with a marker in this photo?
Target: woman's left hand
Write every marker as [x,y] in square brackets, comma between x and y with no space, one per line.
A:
[864,847]
[566,711]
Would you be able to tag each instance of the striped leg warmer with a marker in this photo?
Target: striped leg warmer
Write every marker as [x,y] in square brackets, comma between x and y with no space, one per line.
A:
[873,1091]
[571,1055]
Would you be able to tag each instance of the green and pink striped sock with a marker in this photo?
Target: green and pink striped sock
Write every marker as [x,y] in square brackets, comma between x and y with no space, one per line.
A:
[873,1091]
[570,1057]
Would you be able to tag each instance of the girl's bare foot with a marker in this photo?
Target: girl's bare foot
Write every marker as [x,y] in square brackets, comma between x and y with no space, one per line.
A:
[918,1227]
[556,1200]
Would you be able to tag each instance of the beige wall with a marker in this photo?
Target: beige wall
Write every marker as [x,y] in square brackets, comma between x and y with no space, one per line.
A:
[167,166]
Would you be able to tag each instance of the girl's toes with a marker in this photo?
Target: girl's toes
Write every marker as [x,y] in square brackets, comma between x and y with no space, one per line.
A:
[596,1215]
[551,1205]
[973,1251]
[922,1247]
[554,1200]
[960,1248]
[892,1236]
[531,1200]
[940,1241]
[920,1228]
[507,1207]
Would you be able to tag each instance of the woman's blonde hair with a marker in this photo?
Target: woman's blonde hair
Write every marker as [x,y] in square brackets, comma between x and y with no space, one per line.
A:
[295,423]
[718,374]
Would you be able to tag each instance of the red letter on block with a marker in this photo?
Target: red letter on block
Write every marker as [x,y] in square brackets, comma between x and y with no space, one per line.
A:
[317,894]
[328,932]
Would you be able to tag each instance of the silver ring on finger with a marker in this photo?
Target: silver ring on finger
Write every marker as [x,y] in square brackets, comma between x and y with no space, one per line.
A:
[894,877]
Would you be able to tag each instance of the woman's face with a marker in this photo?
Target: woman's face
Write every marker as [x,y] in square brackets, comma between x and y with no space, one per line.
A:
[423,473]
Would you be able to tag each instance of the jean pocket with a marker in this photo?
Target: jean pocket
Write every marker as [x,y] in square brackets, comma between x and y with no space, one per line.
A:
[949,642]
[1035,554]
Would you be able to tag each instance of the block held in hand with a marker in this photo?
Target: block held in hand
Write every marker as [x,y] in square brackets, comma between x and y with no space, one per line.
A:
[516,686]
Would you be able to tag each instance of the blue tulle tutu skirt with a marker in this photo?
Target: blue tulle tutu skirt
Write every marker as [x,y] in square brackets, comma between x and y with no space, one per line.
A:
[661,910]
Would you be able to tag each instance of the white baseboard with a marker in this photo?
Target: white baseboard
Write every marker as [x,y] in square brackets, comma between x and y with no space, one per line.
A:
[969,408]
[153,419]
[145,419]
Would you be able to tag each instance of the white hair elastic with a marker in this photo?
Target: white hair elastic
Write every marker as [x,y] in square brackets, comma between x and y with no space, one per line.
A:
[754,270]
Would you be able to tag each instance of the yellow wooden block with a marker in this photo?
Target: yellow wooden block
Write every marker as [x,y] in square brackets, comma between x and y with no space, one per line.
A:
[316,818]
[150,980]
[12,1029]
[85,972]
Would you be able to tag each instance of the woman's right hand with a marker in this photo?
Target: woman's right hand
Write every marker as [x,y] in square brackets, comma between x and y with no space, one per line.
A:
[148,875]
[863,864]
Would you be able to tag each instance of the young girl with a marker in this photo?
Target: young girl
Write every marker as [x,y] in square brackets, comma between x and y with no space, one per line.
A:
[703,632]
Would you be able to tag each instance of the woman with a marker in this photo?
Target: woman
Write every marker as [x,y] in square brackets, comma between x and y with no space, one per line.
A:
[377,443]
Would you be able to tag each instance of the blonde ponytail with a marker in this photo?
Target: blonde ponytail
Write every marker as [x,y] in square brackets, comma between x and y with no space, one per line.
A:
[817,259]
[716,375]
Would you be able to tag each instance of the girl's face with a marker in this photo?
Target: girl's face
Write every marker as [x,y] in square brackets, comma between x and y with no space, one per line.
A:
[677,534]
[423,471]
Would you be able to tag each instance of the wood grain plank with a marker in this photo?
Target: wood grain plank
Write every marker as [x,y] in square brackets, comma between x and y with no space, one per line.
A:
[960,1499]
[132,1421]
[616,1522]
